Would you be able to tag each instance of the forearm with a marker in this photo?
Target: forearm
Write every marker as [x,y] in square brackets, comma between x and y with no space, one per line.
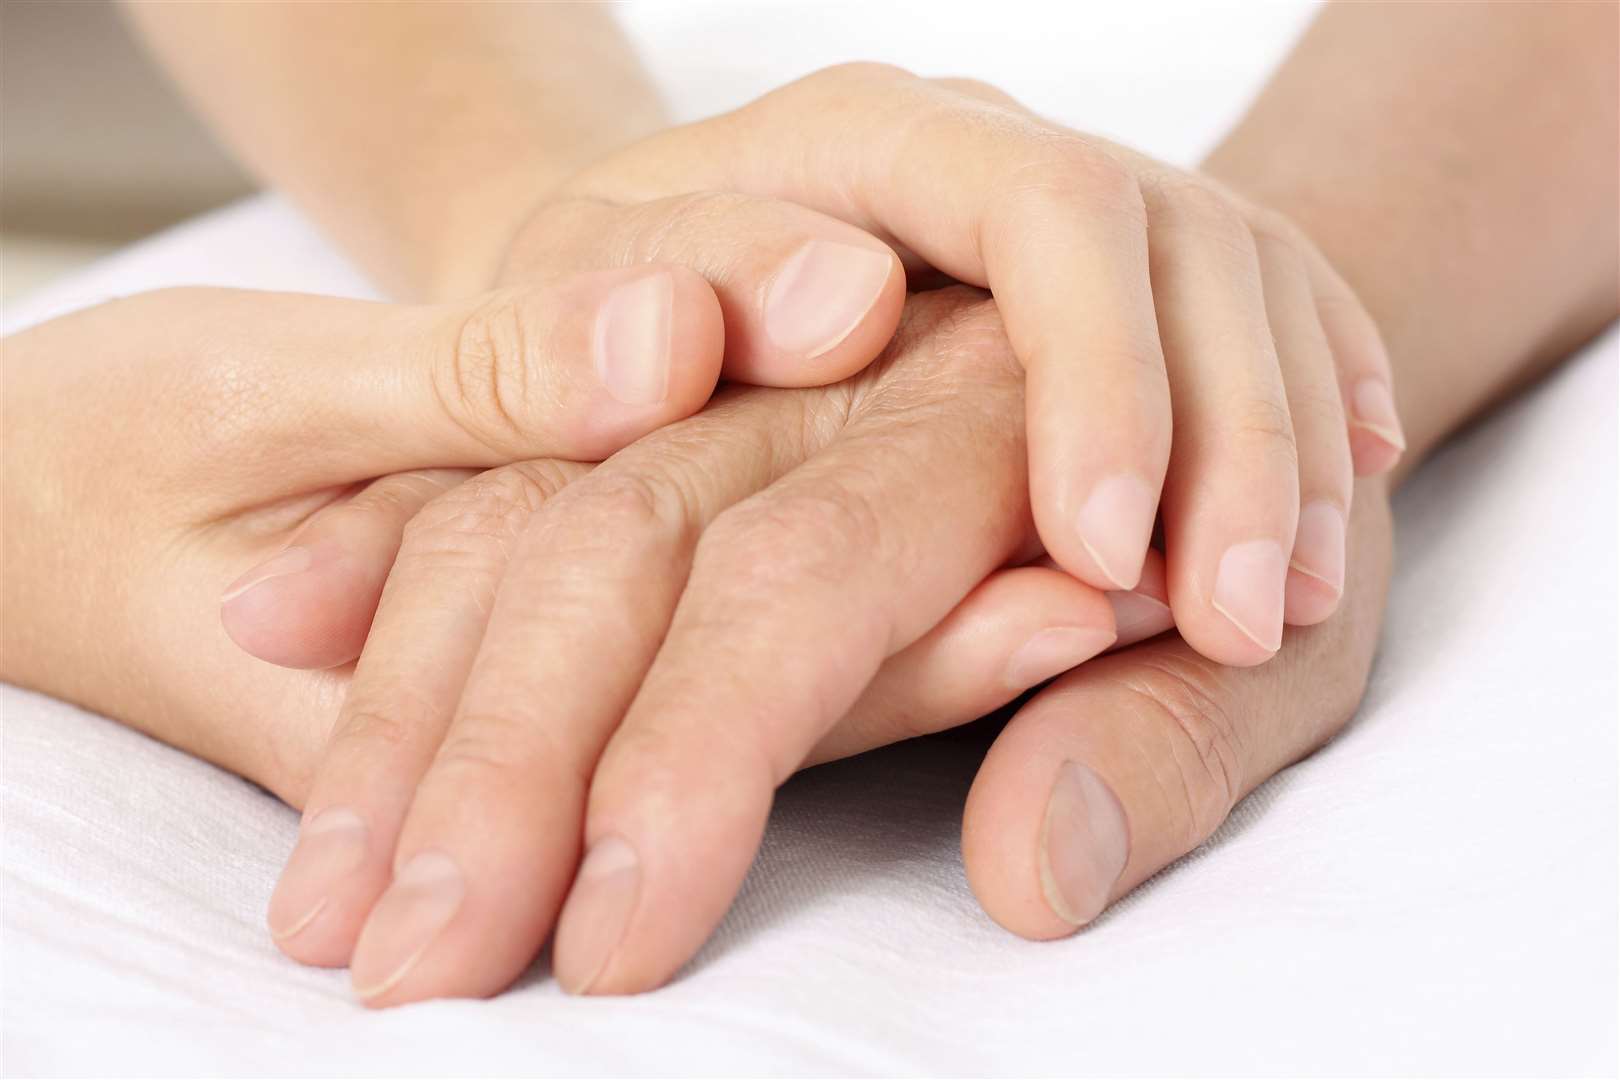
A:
[1457,163]
[416,134]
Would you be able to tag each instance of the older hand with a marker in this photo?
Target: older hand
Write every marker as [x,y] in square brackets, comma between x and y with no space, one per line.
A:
[669,636]
[155,443]
[771,598]
[777,598]
[1134,759]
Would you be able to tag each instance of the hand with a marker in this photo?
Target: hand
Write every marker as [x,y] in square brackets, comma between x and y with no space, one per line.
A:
[259,418]
[173,675]
[1131,290]
[747,571]
[443,824]
[156,444]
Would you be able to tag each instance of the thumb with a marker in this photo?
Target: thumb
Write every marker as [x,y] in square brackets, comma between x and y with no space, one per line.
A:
[1132,760]
[286,393]
[311,603]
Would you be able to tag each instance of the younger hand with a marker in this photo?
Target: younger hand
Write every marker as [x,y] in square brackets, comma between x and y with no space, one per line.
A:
[156,444]
[1133,293]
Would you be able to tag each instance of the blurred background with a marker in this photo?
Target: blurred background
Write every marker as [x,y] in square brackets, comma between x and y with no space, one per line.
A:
[96,149]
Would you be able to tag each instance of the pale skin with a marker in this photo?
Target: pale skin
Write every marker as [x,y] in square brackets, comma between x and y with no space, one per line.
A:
[794,595]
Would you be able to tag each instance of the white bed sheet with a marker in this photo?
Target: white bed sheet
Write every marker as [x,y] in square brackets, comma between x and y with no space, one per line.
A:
[1434,893]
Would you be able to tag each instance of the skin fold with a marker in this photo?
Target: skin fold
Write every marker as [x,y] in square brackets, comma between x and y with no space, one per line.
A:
[776,572]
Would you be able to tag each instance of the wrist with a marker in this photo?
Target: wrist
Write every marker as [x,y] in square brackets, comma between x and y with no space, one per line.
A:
[1412,144]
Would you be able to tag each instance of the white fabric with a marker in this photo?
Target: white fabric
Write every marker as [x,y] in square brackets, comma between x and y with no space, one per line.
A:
[1434,893]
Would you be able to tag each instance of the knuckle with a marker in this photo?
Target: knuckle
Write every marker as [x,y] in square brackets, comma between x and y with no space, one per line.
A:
[1317,416]
[946,332]
[858,73]
[848,88]
[1281,246]
[1277,232]
[1204,766]
[975,88]
[1264,429]
[398,492]
[623,504]
[971,334]
[500,747]
[472,527]
[371,726]
[1182,203]
[1063,170]
[487,379]
[810,537]
[655,760]
[952,374]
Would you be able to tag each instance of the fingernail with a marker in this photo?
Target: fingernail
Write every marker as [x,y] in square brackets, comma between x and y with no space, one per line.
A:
[632,339]
[822,293]
[1319,545]
[293,560]
[330,845]
[1053,651]
[1249,590]
[1138,617]
[1116,523]
[420,903]
[1084,846]
[597,912]
[1373,408]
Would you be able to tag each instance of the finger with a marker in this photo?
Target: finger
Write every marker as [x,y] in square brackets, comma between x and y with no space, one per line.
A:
[1052,223]
[495,817]
[1015,631]
[1231,501]
[422,641]
[796,597]
[1129,762]
[1361,361]
[330,391]
[1316,564]
[807,299]
[310,604]
[1366,381]
[1144,611]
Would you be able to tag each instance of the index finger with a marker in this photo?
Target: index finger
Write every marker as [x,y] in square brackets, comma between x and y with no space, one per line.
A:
[795,599]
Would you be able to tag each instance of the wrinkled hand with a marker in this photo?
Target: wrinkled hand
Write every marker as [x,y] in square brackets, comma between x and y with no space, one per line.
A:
[669,638]
[640,656]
